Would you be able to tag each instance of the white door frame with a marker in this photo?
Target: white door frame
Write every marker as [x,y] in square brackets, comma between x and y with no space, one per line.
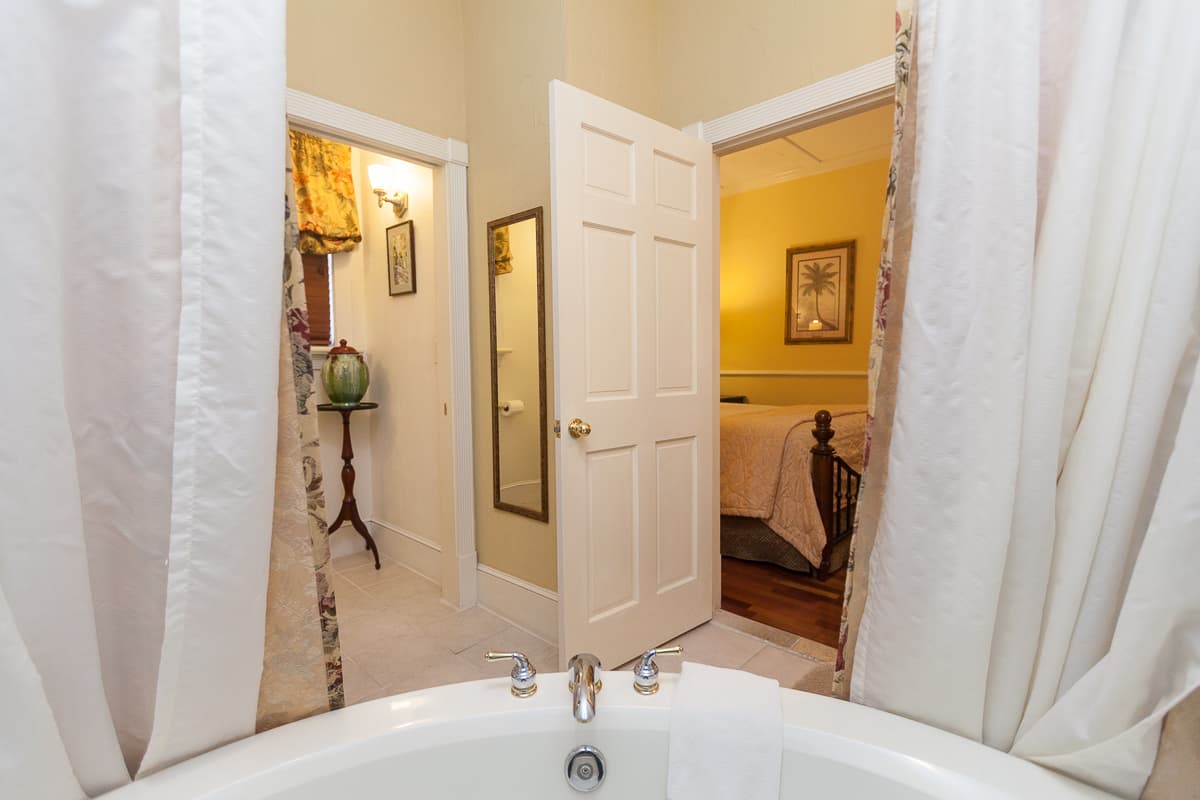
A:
[869,86]
[859,89]
[448,158]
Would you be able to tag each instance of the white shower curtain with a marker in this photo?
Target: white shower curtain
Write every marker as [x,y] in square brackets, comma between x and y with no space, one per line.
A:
[1033,579]
[139,308]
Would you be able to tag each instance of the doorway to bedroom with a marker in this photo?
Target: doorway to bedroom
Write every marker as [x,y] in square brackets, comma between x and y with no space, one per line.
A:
[800,221]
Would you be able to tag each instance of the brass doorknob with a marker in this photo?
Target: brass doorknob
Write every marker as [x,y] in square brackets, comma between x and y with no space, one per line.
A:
[578,428]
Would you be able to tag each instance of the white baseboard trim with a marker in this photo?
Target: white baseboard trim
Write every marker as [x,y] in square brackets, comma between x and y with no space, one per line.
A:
[410,549]
[344,542]
[466,572]
[522,603]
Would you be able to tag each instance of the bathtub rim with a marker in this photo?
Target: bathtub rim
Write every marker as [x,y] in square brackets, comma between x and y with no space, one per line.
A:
[912,754]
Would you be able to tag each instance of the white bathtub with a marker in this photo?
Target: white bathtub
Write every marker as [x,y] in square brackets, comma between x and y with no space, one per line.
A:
[477,740]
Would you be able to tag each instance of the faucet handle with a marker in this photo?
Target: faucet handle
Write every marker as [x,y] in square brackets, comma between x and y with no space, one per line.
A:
[645,674]
[523,673]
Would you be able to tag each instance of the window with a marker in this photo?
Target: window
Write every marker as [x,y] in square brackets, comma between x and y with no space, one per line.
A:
[317,294]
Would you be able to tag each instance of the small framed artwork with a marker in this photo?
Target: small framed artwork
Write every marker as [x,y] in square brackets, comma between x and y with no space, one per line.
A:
[820,294]
[401,259]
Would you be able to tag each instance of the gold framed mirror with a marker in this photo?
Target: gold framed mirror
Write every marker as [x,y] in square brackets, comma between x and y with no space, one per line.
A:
[516,287]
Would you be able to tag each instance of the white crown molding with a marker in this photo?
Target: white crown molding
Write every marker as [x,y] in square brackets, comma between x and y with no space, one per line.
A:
[792,373]
[850,92]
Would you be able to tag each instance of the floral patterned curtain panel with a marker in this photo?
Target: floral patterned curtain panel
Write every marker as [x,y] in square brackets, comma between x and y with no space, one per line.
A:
[883,364]
[302,663]
[326,207]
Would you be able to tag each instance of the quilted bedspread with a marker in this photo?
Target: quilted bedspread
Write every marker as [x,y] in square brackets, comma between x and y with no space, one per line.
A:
[765,470]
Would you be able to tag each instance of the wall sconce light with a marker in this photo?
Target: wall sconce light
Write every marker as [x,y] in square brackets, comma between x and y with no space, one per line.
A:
[382,180]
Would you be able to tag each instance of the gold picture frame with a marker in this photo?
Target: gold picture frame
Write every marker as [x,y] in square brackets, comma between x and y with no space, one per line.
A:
[820,294]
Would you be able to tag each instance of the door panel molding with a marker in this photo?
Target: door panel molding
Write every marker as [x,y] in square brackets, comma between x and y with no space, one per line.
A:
[634,308]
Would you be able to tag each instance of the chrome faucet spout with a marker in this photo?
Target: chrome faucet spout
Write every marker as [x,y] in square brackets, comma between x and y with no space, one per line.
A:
[585,684]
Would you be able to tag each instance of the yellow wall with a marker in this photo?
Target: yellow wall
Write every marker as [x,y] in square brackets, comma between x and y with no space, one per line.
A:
[757,228]
[400,59]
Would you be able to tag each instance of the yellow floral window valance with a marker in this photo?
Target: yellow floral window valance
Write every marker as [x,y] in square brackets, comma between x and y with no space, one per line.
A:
[325,204]
[503,254]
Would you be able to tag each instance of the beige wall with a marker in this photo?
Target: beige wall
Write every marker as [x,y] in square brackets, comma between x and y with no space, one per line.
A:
[757,228]
[685,61]
[400,59]
[479,69]
[715,56]
[611,50]
[396,447]
[514,48]
[402,340]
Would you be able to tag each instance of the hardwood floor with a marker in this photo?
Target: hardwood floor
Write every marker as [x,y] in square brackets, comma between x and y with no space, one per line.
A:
[783,599]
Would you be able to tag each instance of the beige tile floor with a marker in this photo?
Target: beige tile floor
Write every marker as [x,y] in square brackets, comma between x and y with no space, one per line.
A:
[398,635]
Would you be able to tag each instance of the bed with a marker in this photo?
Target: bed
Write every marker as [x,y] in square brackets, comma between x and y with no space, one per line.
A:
[787,495]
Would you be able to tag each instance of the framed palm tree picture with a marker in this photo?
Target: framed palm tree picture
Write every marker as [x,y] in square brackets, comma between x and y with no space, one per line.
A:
[820,294]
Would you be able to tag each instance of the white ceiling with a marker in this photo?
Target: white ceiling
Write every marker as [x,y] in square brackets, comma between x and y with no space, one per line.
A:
[847,142]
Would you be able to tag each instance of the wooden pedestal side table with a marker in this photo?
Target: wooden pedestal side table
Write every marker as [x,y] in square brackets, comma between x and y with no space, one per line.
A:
[349,512]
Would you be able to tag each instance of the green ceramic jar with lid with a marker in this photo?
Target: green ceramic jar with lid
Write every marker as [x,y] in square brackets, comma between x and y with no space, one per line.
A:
[345,375]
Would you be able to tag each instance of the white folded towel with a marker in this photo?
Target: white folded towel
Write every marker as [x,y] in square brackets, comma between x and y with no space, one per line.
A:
[726,736]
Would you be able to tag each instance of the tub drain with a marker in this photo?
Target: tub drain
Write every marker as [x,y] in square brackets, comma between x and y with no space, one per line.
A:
[585,768]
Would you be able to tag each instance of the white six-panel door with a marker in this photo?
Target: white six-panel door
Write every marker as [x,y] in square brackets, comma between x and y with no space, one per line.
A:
[631,214]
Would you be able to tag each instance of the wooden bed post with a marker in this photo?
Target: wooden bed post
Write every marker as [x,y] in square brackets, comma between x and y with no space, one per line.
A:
[822,463]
